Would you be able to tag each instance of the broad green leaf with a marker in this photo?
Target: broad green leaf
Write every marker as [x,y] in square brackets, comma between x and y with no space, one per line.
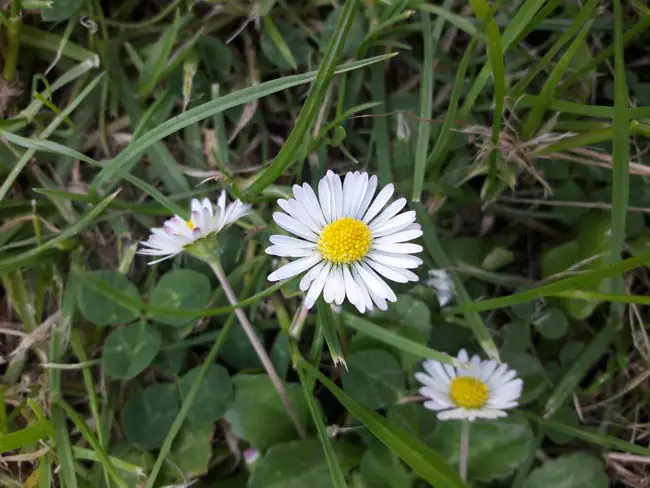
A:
[373,378]
[129,350]
[61,10]
[552,323]
[380,468]
[149,414]
[100,311]
[192,451]
[215,394]
[296,464]
[415,420]
[258,416]
[496,448]
[576,470]
[180,289]
[217,58]
[238,351]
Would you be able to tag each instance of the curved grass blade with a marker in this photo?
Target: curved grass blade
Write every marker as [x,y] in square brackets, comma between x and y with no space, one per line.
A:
[16,262]
[560,286]
[336,475]
[24,159]
[212,108]
[311,106]
[392,339]
[56,148]
[441,260]
[422,459]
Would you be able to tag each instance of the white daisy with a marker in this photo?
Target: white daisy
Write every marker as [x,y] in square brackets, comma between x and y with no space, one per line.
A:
[475,389]
[176,234]
[345,242]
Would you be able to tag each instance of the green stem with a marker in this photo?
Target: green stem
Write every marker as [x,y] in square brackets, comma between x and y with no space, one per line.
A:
[13,39]
[257,345]
[464,449]
[187,404]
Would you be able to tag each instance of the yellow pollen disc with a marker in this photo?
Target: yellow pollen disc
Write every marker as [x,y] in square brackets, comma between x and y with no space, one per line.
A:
[345,241]
[189,224]
[468,392]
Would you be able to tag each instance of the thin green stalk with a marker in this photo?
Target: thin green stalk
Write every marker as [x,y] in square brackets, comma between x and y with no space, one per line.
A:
[188,402]
[463,457]
[257,345]
[13,40]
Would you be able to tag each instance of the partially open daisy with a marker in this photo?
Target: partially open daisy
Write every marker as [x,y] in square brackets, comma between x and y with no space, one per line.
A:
[346,241]
[206,220]
[475,389]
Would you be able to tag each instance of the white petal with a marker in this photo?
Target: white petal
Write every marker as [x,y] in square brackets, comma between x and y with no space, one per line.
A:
[337,193]
[293,226]
[294,268]
[374,283]
[329,290]
[311,275]
[456,413]
[359,192]
[388,213]
[435,394]
[489,413]
[435,406]
[351,290]
[309,203]
[406,235]
[340,286]
[290,252]
[290,241]
[381,200]
[363,289]
[396,260]
[195,205]
[395,224]
[395,274]
[348,193]
[435,369]
[398,248]
[325,199]
[317,286]
[366,198]
[298,212]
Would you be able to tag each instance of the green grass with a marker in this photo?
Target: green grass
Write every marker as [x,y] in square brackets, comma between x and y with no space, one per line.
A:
[516,130]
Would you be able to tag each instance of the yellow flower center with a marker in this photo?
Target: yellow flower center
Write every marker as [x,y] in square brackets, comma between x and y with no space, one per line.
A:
[345,241]
[468,392]
[190,224]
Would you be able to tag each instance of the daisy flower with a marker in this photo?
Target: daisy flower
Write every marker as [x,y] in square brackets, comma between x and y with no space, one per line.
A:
[177,234]
[347,241]
[474,389]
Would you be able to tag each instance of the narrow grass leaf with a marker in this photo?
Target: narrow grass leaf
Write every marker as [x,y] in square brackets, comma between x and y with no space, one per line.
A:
[560,286]
[336,474]
[441,260]
[422,459]
[20,260]
[534,119]
[311,106]
[212,108]
[395,340]
[80,423]
[327,323]
[28,436]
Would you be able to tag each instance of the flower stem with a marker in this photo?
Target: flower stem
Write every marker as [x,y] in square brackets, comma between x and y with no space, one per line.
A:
[257,345]
[464,449]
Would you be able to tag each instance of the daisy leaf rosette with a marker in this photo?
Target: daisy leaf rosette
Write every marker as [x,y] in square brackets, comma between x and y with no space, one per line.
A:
[348,240]
[474,389]
[196,235]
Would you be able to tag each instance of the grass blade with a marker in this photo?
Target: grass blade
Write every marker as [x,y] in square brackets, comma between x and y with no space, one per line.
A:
[337,476]
[395,340]
[212,108]
[17,262]
[441,260]
[422,459]
[311,106]
[327,323]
